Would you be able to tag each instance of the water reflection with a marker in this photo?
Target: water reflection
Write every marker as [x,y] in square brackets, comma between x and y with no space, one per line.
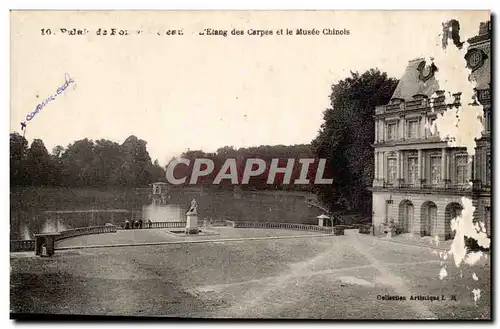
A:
[163,213]
[24,232]
[53,225]
[56,221]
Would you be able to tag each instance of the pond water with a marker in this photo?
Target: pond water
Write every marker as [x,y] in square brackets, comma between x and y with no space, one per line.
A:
[49,210]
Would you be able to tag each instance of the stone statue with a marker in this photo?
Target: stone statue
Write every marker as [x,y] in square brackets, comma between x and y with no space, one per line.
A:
[194,207]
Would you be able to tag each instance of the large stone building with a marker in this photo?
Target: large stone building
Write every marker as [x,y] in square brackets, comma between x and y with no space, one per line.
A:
[419,180]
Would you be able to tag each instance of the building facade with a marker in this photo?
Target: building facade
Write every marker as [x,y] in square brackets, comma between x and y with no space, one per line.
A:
[419,180]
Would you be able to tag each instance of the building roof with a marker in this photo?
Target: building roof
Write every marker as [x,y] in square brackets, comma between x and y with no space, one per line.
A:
[413,83]
[410,83]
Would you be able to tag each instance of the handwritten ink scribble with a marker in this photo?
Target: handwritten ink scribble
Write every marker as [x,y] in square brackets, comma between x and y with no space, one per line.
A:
[67,81]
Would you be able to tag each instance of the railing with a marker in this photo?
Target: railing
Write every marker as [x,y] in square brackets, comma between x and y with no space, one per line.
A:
[365,229]
[165,225]
[86,231]
[146,225]
[29,245]
[408,185]
[222,223]
[462,187]
[336,230]
[22,245]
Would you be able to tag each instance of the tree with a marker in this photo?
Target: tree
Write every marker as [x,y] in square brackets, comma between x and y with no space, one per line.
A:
[39,164]
[345,138]
[157,172]
[78,160]
[136,167]
[18,154]
[106,163]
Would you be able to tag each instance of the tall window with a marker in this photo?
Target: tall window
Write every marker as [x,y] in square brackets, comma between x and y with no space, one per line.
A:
[487,120]
[412,131]
[461,168]
[412,169]
[488,168]
[435,169]
[432,128]
[487,220]
[387,207]
[391,131]
[391,170]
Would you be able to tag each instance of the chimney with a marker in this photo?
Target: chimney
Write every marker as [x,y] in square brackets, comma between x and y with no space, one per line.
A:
[484,27]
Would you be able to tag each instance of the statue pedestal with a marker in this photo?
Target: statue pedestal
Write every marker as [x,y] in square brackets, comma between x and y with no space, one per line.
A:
[192,223]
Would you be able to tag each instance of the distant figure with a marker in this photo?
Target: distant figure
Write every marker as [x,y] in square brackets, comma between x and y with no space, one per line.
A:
[194,207]
[136,224]
[149,223]
[127,225]
[140,223]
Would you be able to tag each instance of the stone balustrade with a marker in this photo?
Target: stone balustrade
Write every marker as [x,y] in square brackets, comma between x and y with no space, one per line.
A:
[222,223]
[22,245]
[165,225]
[365,229]
[29,245]
[336,230]
[86,231]
[145,225]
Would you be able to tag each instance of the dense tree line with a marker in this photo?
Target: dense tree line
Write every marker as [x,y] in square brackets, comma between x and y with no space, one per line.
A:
[83,163]
[241,155]
[346,137]
[100,163]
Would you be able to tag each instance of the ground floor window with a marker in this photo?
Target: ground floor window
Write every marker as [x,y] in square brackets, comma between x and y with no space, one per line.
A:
[387,207]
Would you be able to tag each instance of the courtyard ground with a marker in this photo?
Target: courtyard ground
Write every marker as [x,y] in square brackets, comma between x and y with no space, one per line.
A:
[124,237]
[329,277]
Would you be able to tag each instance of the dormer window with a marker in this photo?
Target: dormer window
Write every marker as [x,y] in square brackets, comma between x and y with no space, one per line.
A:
[397,101]
[392,131]
[412,131]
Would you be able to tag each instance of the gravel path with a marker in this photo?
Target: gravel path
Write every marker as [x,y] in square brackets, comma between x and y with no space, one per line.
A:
[341,277]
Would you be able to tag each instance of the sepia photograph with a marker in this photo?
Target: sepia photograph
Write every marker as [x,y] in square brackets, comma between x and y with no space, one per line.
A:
[250,164]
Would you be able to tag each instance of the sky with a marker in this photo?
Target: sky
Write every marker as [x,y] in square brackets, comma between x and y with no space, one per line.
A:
[203,92]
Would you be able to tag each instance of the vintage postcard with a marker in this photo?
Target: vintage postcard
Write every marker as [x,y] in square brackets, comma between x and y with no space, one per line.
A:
[250,164]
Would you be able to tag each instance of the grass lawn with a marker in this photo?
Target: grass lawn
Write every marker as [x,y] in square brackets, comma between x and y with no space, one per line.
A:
[340,277]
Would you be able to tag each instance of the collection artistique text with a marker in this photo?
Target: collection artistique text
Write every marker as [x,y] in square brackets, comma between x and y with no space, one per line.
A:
[416,297]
